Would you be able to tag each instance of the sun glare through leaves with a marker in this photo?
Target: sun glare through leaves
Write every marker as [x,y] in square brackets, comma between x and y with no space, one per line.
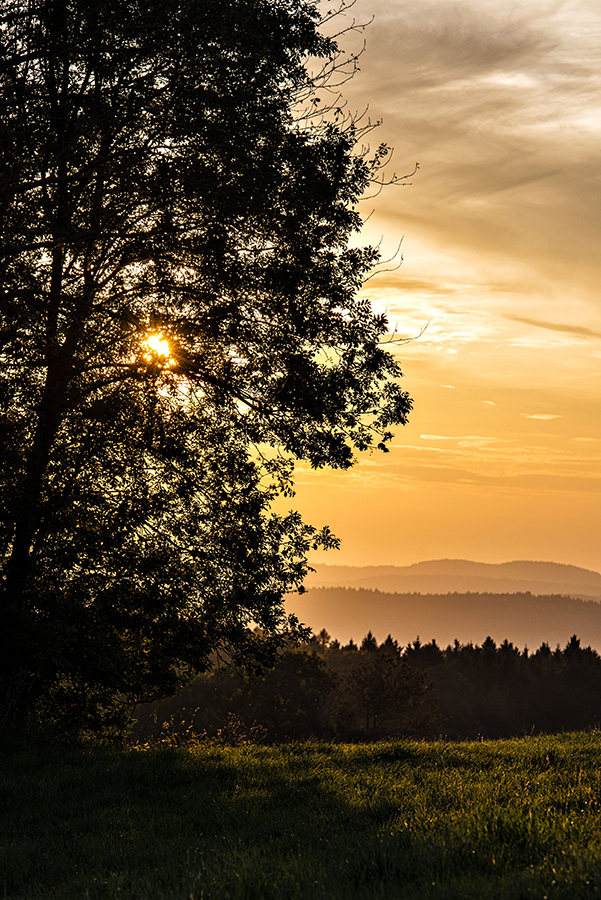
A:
[158,346]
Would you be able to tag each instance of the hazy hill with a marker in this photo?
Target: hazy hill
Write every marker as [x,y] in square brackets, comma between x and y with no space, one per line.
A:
[524,619]
[443,575]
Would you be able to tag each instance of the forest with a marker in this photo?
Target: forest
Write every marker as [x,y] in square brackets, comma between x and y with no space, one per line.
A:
[328,691]
[524,618]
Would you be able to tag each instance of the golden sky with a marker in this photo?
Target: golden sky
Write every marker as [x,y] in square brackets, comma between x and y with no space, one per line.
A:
[500,102]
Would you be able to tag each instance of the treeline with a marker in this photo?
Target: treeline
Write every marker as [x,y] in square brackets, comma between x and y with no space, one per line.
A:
[374,691]
[499,691]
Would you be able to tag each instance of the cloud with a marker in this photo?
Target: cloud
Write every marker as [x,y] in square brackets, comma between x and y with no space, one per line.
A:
[438,437]
[579,330]
[500,104]
[416,285]
[461,40]
[466,437]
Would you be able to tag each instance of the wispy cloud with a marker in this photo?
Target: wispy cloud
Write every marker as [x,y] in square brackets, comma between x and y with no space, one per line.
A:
[501,105]
[462,439]
[579,330]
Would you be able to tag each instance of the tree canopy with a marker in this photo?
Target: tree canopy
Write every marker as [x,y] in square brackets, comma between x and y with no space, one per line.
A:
[179,324]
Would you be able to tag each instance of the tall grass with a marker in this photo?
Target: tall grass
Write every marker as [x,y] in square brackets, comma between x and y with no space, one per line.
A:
[497,819]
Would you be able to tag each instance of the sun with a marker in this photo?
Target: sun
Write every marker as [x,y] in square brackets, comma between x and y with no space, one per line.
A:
[159,346]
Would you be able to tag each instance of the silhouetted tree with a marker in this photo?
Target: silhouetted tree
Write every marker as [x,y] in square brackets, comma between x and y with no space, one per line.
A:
[424,656]
[369,643]
[390,645]
[163,174]
[323,639]
[289,700]
[382,695]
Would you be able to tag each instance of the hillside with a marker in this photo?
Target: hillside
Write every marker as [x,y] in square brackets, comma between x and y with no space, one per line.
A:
[524,619]
[442,576]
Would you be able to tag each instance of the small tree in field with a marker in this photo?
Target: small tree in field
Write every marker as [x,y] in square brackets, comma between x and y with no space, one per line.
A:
[383,695]
[179,324]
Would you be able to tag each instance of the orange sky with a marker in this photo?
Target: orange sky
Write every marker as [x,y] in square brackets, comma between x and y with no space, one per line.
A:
[500,102]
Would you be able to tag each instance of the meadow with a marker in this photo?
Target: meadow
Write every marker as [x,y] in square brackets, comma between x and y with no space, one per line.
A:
[404,819]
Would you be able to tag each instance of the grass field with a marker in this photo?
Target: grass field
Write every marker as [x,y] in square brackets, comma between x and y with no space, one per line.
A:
[498,819]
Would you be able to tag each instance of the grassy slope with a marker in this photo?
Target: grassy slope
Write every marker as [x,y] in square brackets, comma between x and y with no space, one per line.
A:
[510,819]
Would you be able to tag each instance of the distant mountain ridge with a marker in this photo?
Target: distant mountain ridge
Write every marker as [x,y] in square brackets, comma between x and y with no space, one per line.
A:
[442,576]
[524,619]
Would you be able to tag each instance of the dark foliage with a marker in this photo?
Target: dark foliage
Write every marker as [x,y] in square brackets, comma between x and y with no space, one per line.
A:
[381,695]
[160,174]
[317,691]
[383,691]
[499,691]
[288,702]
